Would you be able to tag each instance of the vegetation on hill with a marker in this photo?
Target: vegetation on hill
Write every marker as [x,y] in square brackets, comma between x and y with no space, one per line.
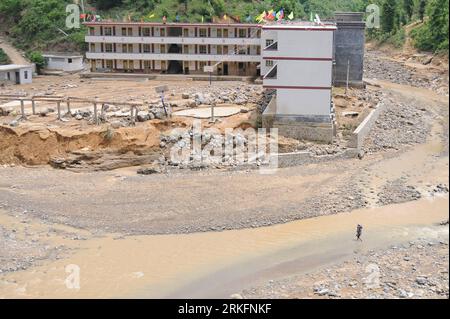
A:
[40,24]
[431,35]
[4,58]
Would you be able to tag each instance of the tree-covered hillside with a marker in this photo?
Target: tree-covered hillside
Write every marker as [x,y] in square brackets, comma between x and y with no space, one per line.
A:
[40,24]
[431,34]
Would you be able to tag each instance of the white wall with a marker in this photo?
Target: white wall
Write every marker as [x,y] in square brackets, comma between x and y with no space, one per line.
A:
[63,64]
[303,102]
[28,72]
[302,73]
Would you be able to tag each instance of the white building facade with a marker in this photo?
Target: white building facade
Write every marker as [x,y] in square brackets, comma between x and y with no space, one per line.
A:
[298,65]
[17,74]
[174,48]
[62,62]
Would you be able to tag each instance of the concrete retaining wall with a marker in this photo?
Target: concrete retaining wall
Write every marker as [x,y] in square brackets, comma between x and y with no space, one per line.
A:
[358,136]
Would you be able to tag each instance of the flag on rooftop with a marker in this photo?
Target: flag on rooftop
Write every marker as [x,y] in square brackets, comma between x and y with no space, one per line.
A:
[261,17]
[280,15]
[291,16]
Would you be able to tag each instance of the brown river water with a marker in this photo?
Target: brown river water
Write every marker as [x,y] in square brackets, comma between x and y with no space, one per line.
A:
[218,264]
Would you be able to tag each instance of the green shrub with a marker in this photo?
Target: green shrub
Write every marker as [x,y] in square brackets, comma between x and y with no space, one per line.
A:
[4,59]
[36,58]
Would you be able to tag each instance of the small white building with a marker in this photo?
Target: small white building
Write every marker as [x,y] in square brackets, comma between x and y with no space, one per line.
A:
[63,62]
[297,64]
[18,74]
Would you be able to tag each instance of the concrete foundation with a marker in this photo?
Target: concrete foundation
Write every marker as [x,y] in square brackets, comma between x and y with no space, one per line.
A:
[304,127]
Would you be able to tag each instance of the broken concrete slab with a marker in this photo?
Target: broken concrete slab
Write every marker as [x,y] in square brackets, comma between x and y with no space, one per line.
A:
[205,112]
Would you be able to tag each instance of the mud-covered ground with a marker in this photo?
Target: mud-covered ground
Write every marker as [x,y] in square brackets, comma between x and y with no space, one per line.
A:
[405,160]
[418,269]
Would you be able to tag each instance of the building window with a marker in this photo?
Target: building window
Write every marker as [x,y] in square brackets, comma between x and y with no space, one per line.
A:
[92,47]
[108,47]
[269,42]
[124,32]
[242,33]
[219,33]
[25,75]
[202,49]
[146,32]
[163,48]
[162,32]
[9,76]
[186,33]
[69,60]
[92,31]
[202,33]
[108,31]
[147,48]
[242,50]
[109,64]
[269,63]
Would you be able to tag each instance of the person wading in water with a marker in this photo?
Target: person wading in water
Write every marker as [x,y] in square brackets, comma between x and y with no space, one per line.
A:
[359,229]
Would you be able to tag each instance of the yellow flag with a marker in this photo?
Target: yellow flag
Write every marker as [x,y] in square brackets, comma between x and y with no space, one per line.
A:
[291,16]
[151,15]
[225,17]
[261,17]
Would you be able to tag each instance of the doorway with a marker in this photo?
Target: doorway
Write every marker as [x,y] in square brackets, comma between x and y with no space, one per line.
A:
[225,69]
[17,77]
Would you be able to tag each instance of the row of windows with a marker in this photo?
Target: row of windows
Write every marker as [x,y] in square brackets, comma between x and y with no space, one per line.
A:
[202,32]
[146,64]
[202,49]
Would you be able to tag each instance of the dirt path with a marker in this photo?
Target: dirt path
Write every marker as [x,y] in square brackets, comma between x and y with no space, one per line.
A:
[14,55]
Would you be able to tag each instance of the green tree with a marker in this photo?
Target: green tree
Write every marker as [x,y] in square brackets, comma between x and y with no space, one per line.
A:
[4,59]
[108,4]
[408,6]
[422,9]
[433,34]
[388,16]
[36,58]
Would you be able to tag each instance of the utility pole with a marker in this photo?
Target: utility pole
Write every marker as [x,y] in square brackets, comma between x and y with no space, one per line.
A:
[348,76]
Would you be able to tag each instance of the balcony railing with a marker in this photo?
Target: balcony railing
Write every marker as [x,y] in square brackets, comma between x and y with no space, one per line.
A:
[175,56]
[272,74]
[174,40]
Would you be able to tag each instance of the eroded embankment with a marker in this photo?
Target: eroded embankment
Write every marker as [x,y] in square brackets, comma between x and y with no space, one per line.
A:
[40,145]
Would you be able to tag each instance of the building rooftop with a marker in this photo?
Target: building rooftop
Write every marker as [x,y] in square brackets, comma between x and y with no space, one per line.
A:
[171,24]
[299,25]
[62,55]
[11,67]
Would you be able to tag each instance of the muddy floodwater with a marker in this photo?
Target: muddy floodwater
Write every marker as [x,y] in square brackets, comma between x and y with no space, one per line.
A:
[218,264]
